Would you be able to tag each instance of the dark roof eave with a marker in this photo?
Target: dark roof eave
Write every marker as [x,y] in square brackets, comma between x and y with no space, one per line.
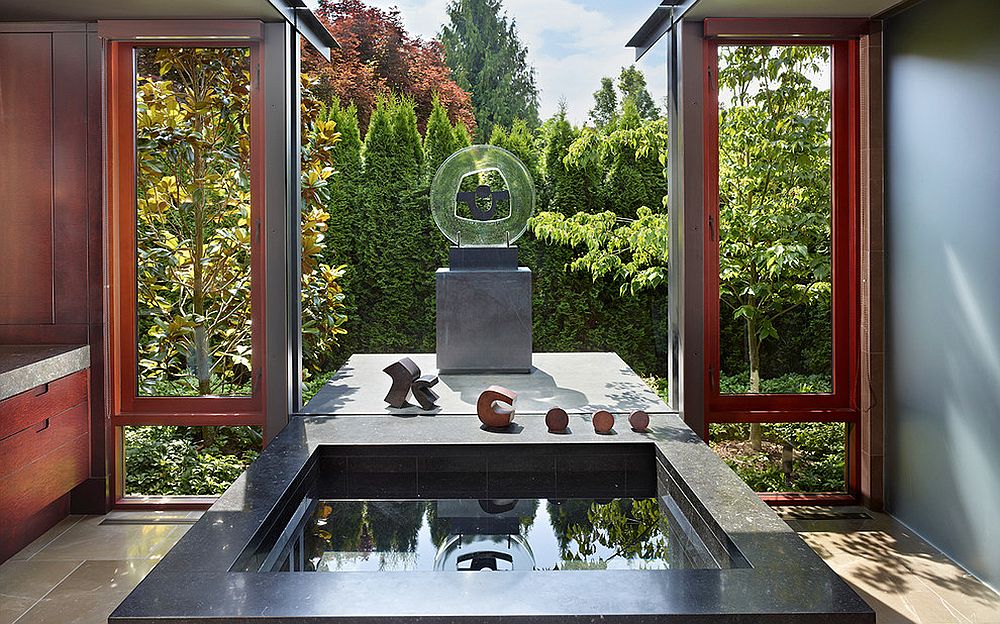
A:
[657,24]
[307,24]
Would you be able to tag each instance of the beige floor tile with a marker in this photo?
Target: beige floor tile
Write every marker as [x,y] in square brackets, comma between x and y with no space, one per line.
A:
[46,538]
[89,594]
[932,609]
[88,539]
[23,583]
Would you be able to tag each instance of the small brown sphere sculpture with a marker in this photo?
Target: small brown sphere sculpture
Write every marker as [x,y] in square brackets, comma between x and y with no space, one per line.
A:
[639,421]
[603,421]
[556,419]
[495,407]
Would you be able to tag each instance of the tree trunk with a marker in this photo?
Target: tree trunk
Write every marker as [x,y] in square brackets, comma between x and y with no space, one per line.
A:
[202,346]
[753,352]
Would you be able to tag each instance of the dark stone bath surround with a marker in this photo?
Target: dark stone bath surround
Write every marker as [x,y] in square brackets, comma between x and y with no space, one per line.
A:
[781,578]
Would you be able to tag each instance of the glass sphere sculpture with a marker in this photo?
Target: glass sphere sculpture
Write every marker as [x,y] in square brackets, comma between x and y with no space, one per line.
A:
[475,160]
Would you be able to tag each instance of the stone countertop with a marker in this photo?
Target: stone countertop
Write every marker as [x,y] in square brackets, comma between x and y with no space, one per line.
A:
[787,582]
[580,383]
[23,367]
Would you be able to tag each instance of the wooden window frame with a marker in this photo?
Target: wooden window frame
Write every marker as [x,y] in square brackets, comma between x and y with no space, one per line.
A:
[842,404]
[127,408]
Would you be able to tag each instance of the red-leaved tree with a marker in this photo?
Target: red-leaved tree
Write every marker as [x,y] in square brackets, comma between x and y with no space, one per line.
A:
[378,56]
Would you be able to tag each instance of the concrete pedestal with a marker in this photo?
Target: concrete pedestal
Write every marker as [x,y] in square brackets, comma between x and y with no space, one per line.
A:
[484,320]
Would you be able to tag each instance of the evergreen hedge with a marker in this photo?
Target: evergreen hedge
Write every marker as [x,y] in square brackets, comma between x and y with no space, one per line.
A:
[381,227]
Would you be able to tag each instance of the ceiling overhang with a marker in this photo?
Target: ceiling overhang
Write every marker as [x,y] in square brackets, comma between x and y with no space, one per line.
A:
[294,12]
[672,11]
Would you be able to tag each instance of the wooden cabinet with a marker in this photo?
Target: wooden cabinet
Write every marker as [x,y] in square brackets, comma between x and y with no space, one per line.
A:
[44,453]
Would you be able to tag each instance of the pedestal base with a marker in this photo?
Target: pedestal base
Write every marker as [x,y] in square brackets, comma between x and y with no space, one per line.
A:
[484,321]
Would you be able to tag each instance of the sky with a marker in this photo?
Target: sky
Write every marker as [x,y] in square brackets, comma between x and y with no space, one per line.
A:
[571,44]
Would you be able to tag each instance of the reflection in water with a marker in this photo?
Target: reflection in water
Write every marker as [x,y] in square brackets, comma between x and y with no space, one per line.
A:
[460,535]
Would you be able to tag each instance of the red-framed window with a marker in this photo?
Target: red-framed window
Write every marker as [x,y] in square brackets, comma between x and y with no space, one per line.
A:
[185,163]
[780,201]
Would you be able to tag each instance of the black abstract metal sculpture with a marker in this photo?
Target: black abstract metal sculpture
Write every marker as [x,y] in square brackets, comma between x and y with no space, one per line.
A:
[422,392]
[406,377]
[482,191]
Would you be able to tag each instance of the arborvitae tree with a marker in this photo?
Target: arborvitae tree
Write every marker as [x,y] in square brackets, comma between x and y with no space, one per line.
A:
[520,141]
[345,209]
[379,192]
[405,245]
[488,60]
[408,142]
[633,177]
[632,84]
[462,136]
[605,104]
[440,140]
[566,189]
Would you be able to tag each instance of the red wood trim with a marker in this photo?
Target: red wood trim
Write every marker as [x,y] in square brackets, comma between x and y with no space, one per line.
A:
[710,226]
[126,408]
[188,419]
[209,30]
[844,207]
[821,27]
[122,168]
[42,27]
[842,404]
[787,416]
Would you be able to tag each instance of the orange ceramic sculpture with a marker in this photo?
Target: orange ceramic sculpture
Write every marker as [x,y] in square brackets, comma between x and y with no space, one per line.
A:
[604,421]
[496,407]
[639,420]
[556,419]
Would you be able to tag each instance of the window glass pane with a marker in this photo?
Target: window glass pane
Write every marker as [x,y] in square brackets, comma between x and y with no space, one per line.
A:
[786,457]
[776,326]
[187,461]
[193,278]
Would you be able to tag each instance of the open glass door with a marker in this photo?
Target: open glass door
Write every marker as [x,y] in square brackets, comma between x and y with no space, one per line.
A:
[186,234]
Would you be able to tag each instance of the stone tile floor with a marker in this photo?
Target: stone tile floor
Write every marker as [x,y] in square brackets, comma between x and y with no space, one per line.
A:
[901,576]
[79,571]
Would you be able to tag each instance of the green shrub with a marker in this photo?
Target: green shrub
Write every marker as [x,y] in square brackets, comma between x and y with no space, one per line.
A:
[179,461]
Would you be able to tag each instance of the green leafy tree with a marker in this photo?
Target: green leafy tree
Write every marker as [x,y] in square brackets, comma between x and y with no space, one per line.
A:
[323,308]
[605,109]
[625,237]
[193,222]
[487,59]
[774,190]
[193,215]
[575,310]
[632,84]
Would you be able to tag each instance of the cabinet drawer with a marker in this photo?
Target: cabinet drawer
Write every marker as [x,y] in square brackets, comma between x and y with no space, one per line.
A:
[30,408]
[48,476]
[28,445]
